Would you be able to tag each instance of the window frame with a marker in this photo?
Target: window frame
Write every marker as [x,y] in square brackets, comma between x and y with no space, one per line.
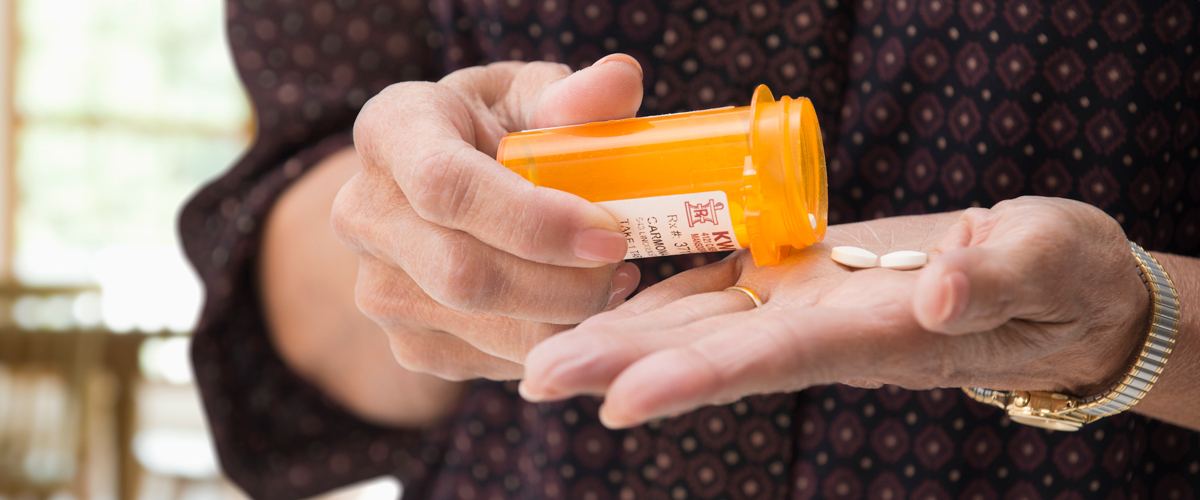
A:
[8,191]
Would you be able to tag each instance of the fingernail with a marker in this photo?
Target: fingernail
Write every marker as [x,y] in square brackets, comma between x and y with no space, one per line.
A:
[625,281]
[957,295]
[527,394]
[599,245]
[536,396]
[621,58]
[607,420]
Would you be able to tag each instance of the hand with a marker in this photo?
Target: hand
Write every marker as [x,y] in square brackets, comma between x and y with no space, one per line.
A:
[464,263]
[1034,293]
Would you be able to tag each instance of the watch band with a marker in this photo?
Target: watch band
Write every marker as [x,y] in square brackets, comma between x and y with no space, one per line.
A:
[1063,412]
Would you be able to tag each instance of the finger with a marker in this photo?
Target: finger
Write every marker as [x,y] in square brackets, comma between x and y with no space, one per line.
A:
[391,298]
[610,89]
[416,328]
[587,359]
[862,383]
[540,95]
[975,289]
[446,356]
[708,278]
[959,234]
[764,351]
[416,132]
[463,273]
[553,361]
[736,355]
[625,280]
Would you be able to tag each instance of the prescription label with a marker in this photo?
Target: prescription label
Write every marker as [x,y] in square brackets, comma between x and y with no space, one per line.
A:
[678,224]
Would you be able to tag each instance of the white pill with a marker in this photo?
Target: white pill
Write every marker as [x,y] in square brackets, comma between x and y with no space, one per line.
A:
[812,220]
[903,260]
[853,257]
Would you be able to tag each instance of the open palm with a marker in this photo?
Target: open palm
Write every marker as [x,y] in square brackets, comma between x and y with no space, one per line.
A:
[1034,293]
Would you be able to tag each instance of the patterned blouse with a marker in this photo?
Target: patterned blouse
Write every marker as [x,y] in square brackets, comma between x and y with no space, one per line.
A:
[926,106]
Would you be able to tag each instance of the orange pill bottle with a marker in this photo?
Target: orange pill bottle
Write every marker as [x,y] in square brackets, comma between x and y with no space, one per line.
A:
[721,179]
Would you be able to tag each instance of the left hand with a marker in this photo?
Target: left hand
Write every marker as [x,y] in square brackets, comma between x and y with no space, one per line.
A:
[1035,293]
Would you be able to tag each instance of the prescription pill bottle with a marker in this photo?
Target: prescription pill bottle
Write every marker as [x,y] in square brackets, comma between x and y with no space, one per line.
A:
[721,179]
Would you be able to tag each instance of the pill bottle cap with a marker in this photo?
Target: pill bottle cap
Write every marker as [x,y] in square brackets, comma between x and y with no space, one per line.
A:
[784,177]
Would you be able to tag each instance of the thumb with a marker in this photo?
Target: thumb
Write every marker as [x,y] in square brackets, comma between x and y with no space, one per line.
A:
[610,89]
[974,289]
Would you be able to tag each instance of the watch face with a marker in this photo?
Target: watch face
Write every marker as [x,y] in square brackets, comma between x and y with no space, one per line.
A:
[1046,422]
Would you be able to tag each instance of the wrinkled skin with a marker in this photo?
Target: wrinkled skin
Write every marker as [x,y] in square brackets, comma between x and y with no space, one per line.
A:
[1034,293]
[463,263]
[473,272]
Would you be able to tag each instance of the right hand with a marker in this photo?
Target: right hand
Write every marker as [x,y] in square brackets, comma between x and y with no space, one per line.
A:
[465,264]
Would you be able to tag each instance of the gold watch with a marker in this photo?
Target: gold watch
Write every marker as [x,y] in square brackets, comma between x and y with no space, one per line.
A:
[1061,412]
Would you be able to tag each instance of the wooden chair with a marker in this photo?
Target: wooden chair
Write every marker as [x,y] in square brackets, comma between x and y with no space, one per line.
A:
[55,381]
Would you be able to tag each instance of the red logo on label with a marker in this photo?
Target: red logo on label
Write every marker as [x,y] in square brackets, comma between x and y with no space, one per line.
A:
[703,212]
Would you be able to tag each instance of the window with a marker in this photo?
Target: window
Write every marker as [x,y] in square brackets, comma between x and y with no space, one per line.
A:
[120,109]
[112,112]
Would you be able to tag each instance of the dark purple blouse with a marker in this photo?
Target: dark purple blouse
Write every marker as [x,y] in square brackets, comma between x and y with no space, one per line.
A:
[926,106]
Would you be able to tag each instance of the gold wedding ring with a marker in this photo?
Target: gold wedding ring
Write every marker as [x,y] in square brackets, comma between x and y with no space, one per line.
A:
[749,293]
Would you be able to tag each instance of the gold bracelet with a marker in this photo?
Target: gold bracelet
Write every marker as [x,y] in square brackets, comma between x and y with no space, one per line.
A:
[1067,413]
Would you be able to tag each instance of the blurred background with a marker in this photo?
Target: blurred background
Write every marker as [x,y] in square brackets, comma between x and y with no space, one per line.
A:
[113,112]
